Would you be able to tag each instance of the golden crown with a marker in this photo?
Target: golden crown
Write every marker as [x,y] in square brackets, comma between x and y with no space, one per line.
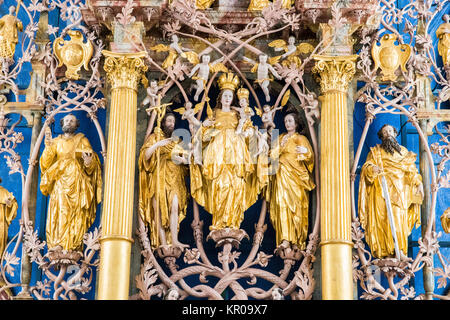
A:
[228,81]
[242,93]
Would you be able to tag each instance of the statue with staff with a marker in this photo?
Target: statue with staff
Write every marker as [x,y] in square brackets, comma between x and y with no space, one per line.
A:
[162,188]
[390,195]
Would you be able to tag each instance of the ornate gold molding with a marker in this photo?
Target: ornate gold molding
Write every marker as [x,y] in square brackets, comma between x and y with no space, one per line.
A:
[334,72]
[73,53]
[125,70]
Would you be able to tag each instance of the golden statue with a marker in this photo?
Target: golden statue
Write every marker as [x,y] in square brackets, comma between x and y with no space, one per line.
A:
[71,176]
[203,4]
[8,211]
[161,184]
[389,56]
[291,53]
[258,5]
[228,181]
[174,49]
[443,35]
[73,53]
[288,190]
[390,189]
[445,220]
[9,24]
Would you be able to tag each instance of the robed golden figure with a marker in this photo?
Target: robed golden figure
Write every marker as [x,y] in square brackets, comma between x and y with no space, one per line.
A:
[8,211]
[169,190]
[404,184]
[71,176]
[9,27]
[228,181]
[288,192]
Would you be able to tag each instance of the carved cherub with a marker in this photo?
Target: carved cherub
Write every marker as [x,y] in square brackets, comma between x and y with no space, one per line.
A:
[175,50]
[291,51]
[312,108]
[152,94]
[267,115]
[262,69]
[202,69]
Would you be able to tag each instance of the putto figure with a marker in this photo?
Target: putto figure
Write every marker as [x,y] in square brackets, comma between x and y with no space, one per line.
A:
[71,176]
[152,94]
[263,70]
[288,191]
[390,167]
[9,25]
[291,53]
[161,185]
[200,72]
[8,211]
[174,49]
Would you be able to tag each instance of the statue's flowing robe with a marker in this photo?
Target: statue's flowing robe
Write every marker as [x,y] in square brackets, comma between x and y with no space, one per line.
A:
[230,178]
[7,214]
[288,190]
[75,190]
[402,179]
[172,183]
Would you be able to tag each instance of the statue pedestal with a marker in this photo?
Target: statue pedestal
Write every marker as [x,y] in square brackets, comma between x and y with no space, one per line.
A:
[227,236]
[59,257]
[169,252]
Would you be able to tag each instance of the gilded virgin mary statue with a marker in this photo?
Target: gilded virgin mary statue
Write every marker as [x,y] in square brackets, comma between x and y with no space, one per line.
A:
[228,181]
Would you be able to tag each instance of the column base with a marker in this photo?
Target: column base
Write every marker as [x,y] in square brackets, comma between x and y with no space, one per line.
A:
[113,282]
[337,270]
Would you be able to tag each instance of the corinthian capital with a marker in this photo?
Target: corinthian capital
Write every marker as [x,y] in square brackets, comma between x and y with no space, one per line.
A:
[125,70]
[334,72]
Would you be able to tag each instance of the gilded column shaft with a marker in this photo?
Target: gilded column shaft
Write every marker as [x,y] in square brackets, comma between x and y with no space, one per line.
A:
[124,71]
[336,243]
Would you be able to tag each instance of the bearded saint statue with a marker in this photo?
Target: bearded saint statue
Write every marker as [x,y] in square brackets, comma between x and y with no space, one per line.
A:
[71,176]
[404,184]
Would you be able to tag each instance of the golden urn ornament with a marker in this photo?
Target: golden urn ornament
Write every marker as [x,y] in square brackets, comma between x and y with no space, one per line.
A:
[73,53]
[389,56]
